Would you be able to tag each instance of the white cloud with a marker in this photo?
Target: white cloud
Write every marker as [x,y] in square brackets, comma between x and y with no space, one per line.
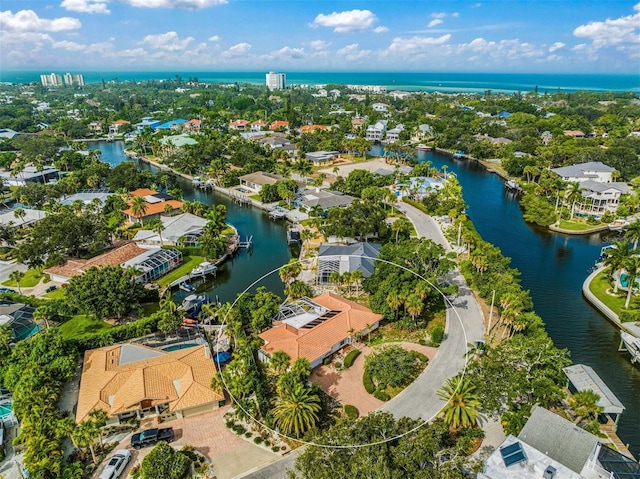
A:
[214,38]
[169,42]
[476,5]
[86,6]
[416,44]
[438,15]
[556,46]
[352,53]
[28,21]
[623,30]
[318,44]
[380,29]
[289,53]
[237,50]
[133,53]
[455,14]
[434,23]
[345,22]
[184,4]
[69,46]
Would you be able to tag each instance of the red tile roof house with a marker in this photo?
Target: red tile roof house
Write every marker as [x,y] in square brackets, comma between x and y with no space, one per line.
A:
[193,125]
[155,205]
[277,125]
[316,328]
[238,125]
[258,125]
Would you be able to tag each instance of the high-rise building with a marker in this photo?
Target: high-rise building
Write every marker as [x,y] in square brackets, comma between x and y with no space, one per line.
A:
[52,79]
[276,81]
[75,79]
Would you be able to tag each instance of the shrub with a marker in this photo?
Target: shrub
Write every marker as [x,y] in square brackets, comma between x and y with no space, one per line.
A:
[629,315]
[368,383]
[275,448]
[337,365]
[351,357]
[383,396]
[326,361]
[248,434]
[258,440]
[419,356]
[351,411]
[437,334]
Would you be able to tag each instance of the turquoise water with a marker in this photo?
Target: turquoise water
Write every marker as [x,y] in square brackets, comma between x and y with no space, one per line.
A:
[427,81]
[624,280]
[177,347]
[5,410]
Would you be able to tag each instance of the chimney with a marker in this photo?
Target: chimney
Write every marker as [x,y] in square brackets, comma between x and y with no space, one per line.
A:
[549,472]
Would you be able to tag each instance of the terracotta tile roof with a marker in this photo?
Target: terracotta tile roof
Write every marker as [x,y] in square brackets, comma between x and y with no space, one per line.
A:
[316,342]
[180,378]
[120,122]
[239,123]
[310,128]
[115,257]
[143,192]
[278,123]
[154,208]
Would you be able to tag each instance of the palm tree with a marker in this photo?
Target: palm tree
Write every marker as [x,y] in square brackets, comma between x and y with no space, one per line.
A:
[158,228]
[357,277]
[414,306]
[279,362]
[17,277]
[20,213]
[616,257]
[296,410]
[572,195]
[394,302]
[306,235]
[584,405]
[139,207]
[633,233]
[462,408]
[632,266]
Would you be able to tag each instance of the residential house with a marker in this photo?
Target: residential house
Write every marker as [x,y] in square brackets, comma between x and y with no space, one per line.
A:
[592,170]
[184,229]
[157,204]
[8,217]
[147,122]
[274,141]
[151,263]
[358,122]
[30,174]
[341,259]
[238,125]
[335,93]
[393,135]
[400,95]
[279,125]
[601,197]
[380,107]
[255,181]
[376,132]
[176,142]
[95,127]
[176,124]
[550,447]
[135,381]
[323,199]
[19,317]
[312,128]
[316,328]
[574,133]
[424,131]
[322,158]
[194,125]
[259,125]
[88,197]
[7,133]
[417,187]
[114,128]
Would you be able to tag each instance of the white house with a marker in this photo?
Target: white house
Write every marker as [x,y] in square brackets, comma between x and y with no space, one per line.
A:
[376,132]
[592,170]
[380,107]
[393,135]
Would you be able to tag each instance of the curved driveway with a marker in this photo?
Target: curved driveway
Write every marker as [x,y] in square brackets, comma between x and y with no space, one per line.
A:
[464,325]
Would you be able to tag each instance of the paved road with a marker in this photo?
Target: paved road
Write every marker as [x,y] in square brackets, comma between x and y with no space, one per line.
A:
[464,325]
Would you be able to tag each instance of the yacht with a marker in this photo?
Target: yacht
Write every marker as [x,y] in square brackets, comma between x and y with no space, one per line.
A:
[204,269]
[618,225]
[422,147]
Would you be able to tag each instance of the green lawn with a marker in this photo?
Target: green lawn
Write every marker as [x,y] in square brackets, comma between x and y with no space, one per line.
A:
[56,294]
[573,226]
[599,287]
[189,262]
[31,278]
[82,324]
[149,308]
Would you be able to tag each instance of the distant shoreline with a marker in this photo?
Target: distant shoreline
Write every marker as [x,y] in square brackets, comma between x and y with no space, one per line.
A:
[409,81]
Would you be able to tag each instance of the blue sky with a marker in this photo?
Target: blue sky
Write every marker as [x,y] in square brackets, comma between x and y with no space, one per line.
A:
[546,36]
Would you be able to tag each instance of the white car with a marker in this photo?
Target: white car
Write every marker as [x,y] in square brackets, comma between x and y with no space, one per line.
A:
[116,464]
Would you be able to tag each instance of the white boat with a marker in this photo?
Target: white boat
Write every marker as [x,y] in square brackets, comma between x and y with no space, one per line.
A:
[512,185]
[197,181]
[618,225]
[204,269]
[632,345]
[423,147]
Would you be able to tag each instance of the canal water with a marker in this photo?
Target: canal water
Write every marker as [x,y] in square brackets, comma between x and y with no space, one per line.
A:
[553,267]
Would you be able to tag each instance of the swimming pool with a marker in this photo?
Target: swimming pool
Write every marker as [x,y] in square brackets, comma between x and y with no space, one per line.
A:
[176,347]
[624,280]
[5,410]
[242,190]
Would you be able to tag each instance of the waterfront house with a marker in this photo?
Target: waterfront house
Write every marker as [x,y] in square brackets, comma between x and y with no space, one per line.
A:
[358,122]
[157,204]
[135,381]
[316,328]
[393,135]
[176,142]
[323,199]
[87,197]
[574,133]
[376,132]
[259,125]
[592,170]
[19,318]
[176,124]
[115,127]
[550,447]
[147,121]
[255,181]
[341,258]
[184,229]
[95,127]
[238,125]
[417,187]
[150,263]
[322,158]
[30,174]
[279,125]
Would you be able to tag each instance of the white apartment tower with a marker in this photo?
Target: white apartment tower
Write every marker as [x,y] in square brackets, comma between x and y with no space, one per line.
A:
[276,81]
[52,79]
[75,79]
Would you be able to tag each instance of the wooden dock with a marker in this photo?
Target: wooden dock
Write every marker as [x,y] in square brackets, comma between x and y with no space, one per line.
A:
[240,200]
[247,244]
[609,429]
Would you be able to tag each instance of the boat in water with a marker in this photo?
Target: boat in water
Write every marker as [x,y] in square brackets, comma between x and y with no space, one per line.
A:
[459,154]
[187,287]
[512,185]
[192,304]
[204,269]
[618,225]
[631,345]
[423,147]
[293,233]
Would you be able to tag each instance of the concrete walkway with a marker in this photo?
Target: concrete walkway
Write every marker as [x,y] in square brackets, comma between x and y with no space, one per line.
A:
[464,325]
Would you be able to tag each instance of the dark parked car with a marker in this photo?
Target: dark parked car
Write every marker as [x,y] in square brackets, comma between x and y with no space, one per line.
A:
[149,437]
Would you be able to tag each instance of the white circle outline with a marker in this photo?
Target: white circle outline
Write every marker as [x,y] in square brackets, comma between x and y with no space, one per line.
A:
[450,306]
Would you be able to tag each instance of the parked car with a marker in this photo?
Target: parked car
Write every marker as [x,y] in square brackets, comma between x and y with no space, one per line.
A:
[51,288]
[116,465]
[6,290]
[149,437]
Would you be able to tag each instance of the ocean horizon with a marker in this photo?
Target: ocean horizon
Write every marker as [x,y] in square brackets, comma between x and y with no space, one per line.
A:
[430,82]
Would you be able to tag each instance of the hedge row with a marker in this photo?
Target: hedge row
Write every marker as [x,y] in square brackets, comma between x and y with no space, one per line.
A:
[351,357]
[368,383]
[383,396]
[419,356]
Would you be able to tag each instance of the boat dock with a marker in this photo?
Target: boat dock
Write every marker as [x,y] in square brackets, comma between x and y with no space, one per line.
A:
[277,213]
[240,200]
[247,244]
[293,233]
